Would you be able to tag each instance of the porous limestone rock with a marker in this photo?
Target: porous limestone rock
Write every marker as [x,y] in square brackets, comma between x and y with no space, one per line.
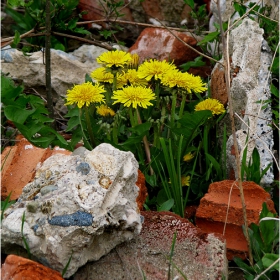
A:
[79,206]
[67,69]
[250,78]
[227,10]
[250,91]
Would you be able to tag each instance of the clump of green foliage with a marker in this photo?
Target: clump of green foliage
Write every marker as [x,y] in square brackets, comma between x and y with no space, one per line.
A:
[63,20]
[29,115]
[264,240]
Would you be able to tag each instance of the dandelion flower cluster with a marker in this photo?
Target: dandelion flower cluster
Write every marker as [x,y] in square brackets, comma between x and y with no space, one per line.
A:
[85,94]
[130,77]
[186,81]
[114,58]
[214,105]
[105,111]
[154,69]
[135,96]
[102,76]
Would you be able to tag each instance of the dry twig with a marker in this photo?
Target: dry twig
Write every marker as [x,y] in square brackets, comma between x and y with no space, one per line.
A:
[237,155]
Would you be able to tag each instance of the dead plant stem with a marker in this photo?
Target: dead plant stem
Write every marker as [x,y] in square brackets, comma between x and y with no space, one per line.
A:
[48,62]
[237,155]
[246,14]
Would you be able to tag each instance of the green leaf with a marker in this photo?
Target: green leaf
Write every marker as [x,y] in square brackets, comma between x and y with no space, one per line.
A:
[190,3]
[195,63]
[248,269]
[8,90]
[275,66]
[141,128]
[256,241]
[215,164]
[5,205]
[72,112]
[59,46]
[67,265]
[76,137]
[16,114]
[16,40]
[17,17]
[35,100]
[161,197]
[41,118]
[167,205]
[274,90]
[72,23]
[239,8]
[132,140]
[43,142]
[15,3]
[209,38]
[151,180]
[190,123]
[107,33]
[268,229]
[269,259]
[73,122]
[81,30]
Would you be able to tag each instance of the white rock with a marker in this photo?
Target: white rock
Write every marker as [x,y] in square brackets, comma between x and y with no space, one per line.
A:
[251,54]
[77,205]
[66,69]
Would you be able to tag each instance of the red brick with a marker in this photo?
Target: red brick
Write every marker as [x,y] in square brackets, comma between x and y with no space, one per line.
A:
[211,213]
[160,44]
[19,165]
[18,268]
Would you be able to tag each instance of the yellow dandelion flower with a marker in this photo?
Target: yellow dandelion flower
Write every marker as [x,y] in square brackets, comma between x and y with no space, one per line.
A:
[186,81]
[154,68]
[85,94]
[214,105]
[188,157]
[194,83]
[105,111]
[114,58]
[134,61]
[130,78]
[172,78]
[135,96]
[101,75]
[186,181]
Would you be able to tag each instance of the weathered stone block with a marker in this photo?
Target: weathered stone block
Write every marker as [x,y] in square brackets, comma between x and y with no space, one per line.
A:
[77,205]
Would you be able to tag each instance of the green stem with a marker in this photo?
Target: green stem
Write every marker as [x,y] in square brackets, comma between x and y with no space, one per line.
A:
[114,82]
[89,128]
[131,116]
[146,143]
[87,145]
[194,165]
[156,134]
[206,143]
[157,90]
[115,132]
[108,95]
[182,106]
[172,114]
